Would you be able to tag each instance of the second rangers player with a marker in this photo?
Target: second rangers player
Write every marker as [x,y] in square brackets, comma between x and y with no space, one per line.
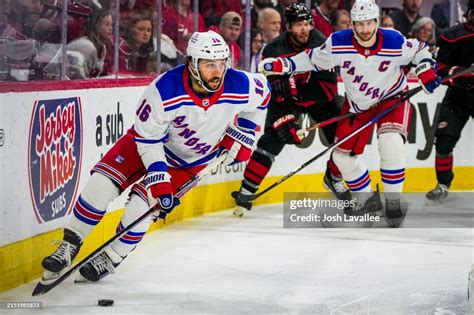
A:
[371,60]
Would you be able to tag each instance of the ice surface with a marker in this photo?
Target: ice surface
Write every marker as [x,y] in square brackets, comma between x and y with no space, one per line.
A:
[221,264]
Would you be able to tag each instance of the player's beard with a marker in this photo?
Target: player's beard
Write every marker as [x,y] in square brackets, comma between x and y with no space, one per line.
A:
[213,84]
[366,39]
[300,39]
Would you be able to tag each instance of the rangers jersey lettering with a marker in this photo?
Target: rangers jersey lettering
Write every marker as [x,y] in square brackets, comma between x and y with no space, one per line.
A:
[369,75]
[175,124]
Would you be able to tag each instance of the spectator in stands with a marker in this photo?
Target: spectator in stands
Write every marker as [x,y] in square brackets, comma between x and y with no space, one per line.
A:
[386,21]
[229,28]
[258,6]
[87,54]
[79,11]
[178,23]
[405,19]
[256,48]
[424,31]
[322,16]
[281,6]
[269,22]
[23,15]
[341,20]
[18,47]
[136,48]
[6,29]
[213,10]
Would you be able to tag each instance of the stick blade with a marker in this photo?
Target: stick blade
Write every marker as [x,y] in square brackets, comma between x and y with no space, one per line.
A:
[40,289]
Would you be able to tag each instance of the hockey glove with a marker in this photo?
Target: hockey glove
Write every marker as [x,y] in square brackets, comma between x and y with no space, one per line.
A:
[275,66]
[238,143]
[284,89]
[427,77]
[287,129]
[159,189]
[465,81]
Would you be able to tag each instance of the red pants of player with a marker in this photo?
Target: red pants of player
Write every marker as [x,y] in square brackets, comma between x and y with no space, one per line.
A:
[397,120]
[124,166]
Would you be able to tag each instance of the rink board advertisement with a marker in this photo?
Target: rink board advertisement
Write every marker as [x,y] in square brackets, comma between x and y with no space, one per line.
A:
[51,139]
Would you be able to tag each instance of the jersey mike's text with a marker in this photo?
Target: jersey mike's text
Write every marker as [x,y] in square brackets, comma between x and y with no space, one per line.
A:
[54,146]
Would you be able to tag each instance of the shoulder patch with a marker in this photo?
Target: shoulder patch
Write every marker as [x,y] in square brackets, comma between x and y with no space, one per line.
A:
[171,83]
[392,39]
[236,81]
[342,38]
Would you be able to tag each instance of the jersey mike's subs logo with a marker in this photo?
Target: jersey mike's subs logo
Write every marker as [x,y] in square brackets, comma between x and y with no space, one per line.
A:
[54,158]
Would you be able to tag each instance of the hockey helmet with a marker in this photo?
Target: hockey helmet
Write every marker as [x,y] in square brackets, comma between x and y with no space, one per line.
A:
[206,45]
[297,12]
[363,10]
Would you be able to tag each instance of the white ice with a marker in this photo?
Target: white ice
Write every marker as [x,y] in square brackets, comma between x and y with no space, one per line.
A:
[221,264]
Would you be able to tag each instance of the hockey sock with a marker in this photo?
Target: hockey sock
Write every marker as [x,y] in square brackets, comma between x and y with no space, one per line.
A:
[256,170]
[444,168]
[354,172]
[128,241]
[92,203]
[392,163]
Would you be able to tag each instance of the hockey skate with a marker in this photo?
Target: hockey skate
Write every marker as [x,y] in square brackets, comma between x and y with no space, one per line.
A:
[241,205]
[393,209]
[337,187]
[438,193]
[100,266]
[59,261]
[371,204]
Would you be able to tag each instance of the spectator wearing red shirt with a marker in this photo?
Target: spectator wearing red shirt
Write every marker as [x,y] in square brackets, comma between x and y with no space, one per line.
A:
[178,23]
[136,48]
[322,16]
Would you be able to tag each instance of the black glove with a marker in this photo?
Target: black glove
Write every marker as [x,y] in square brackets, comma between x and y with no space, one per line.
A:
[287,129]
[284,89]
[465,81]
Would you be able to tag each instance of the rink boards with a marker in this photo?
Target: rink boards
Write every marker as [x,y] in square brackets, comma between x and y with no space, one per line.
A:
[51,136]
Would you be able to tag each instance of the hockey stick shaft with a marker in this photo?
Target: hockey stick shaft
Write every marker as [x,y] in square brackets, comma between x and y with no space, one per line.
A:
[403,94]
[332,146]
[41,289]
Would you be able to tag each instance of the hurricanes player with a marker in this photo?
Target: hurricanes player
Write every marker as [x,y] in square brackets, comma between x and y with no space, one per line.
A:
[312,93]
[456,47]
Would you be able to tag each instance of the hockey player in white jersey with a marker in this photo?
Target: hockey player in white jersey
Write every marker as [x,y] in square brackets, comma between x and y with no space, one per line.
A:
[370,60]
[183,120]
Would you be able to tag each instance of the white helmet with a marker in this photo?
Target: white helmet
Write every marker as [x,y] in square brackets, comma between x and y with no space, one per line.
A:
[363,10]
[206,45]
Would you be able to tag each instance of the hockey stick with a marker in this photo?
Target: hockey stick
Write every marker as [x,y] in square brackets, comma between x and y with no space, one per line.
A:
[409,93]
[401,95]
[42,288]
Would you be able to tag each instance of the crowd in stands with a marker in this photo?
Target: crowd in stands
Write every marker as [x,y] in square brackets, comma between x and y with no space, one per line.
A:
[31,33]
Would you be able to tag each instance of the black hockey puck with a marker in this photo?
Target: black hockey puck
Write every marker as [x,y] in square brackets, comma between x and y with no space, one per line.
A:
[106,302]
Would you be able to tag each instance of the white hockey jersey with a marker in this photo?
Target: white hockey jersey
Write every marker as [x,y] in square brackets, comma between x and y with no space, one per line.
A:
[369,75]
[176,125]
